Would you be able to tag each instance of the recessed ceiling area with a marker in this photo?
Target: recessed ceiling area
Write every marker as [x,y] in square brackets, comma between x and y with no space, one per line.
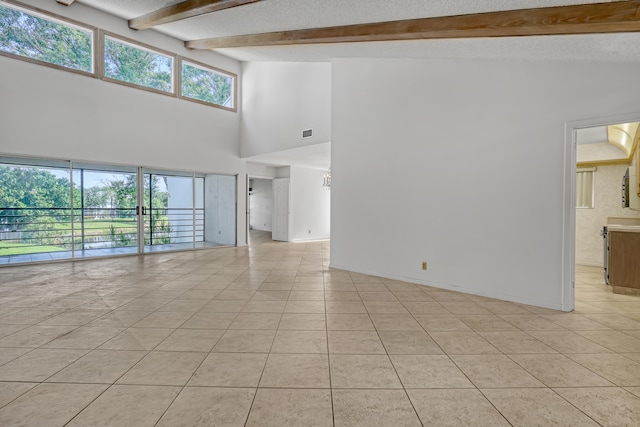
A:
[280,15]
[592,135]
[604,144]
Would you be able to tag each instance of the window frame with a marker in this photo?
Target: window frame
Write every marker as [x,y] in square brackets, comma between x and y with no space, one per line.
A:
[143,46]
[591,171]
[97,58]
[49,16]
[212,69]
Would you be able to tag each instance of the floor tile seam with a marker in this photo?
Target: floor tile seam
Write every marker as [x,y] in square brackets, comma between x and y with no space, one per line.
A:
[74,324]
[11,333]
[43,320]
[198,312]
[597,343]
[258,383]
[404,388]
[625,354]
[529,330]
[123,350]
[504,417]
[589,386]
[272,387]
[391,363]
[578,409]
[462,371]
[547,385]
[436,342]
[596,373]
[326,324]
[41,346]
[84,348]
[67,365]
[87,405]
[625,331]
[21,394]
[185,384]
[264,367]
[89,352]
[530,336]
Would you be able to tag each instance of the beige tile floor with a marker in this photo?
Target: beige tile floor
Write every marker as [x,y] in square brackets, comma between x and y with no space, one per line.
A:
[270,336]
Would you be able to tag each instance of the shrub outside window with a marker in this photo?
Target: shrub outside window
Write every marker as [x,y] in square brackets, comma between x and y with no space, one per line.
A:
[208,85]
[137,65]
[44,39]
[37,36]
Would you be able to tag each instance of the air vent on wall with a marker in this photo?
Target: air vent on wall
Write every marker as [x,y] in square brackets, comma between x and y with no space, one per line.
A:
[307,133]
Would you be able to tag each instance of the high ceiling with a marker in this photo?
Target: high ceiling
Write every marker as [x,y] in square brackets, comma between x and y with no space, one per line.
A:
[279,15]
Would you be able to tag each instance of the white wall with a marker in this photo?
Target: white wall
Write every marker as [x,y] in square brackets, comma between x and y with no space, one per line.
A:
[50,113]
[261,204]
[310,205]
[461,163]
[283,172]
[260,170]
[607,203]
[280,100]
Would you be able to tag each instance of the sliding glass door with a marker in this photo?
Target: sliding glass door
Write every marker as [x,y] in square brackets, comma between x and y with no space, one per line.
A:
[35,210]
[59,209]
[105,215]
[183,211]
[168,210]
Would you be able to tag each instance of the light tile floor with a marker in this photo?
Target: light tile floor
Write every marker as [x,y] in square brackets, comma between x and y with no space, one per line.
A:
[270,336]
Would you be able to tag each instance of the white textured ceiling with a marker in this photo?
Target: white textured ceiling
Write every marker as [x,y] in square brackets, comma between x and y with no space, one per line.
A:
[593,135]
[277,15]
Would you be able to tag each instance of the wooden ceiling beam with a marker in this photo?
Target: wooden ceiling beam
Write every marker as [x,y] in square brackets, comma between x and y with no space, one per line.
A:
[183,10]
[614,17]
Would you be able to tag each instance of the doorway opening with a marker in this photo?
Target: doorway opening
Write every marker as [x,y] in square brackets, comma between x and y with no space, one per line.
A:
[598,153]
[260,208]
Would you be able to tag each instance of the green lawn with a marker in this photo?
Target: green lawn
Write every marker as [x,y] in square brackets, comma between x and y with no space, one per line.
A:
[126,225]
[120,224]
[24,248]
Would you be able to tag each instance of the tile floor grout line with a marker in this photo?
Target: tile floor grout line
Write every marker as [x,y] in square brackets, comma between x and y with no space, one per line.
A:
[326,329]
[494,406]
[560,354]
[87,405]
[406,393]
[264,367]
[626,355]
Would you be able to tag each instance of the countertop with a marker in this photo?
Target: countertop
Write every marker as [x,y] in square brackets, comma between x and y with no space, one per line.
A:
[624,228]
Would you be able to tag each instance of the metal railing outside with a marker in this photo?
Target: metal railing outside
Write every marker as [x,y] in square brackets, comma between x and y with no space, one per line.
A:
[174,225]
[39,230]
[36,230]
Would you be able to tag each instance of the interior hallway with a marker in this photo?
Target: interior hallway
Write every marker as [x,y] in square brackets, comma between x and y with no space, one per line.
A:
[269,336]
